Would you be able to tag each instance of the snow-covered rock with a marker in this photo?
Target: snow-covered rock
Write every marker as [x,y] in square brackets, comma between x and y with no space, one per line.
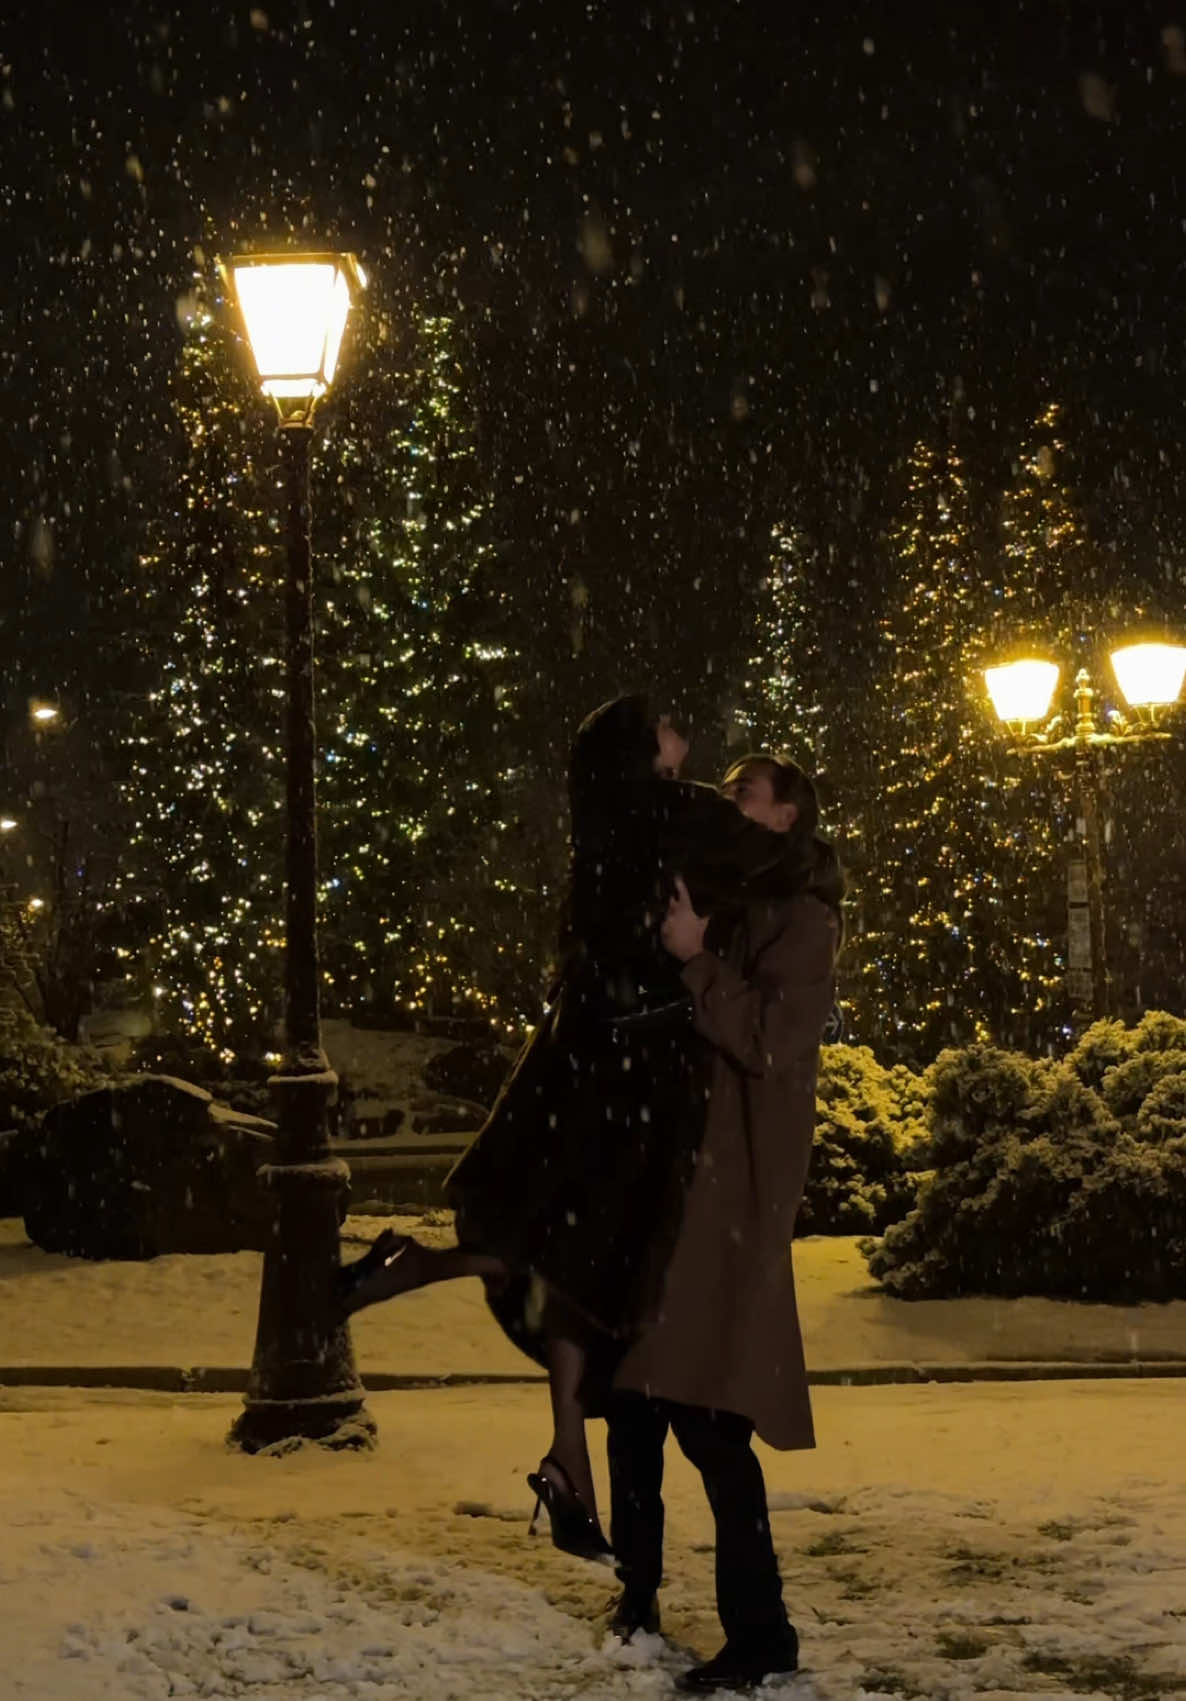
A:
[147,1166]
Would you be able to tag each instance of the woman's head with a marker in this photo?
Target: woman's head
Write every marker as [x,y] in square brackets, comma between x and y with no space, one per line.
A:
[622,744]
[775,792]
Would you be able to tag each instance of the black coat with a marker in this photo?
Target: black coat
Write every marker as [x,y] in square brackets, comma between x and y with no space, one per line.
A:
[579,1174]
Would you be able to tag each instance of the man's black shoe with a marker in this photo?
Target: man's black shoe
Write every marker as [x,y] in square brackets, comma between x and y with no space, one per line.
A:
[742,1668]
[630,1616]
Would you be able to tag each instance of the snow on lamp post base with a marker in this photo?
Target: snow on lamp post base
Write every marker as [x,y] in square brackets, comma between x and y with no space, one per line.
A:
[304,1384]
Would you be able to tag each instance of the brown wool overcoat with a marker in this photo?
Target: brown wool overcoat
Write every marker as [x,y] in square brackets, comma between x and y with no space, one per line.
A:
[726,1330]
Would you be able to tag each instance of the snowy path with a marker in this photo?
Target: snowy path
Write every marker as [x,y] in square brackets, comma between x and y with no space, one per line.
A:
[187,1311]
[987,1541]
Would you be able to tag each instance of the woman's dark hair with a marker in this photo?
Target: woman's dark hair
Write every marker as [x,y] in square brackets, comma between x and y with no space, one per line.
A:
[615,746]
[807,853]
[612,794]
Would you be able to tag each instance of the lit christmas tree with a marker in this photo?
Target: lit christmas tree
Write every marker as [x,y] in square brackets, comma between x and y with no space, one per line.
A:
[797,694]
[1044,594]
[944,951]
[422,865]
[787,677]
[426,874]
[206,781]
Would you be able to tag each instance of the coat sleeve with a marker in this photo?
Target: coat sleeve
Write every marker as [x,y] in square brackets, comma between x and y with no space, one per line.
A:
[773,1015]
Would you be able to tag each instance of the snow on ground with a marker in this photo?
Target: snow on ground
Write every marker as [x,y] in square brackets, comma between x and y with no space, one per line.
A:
[201,1311]
[988,1541]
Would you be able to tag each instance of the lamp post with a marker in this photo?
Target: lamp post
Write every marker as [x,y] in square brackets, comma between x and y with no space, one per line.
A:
[1150,679]
[303,1383]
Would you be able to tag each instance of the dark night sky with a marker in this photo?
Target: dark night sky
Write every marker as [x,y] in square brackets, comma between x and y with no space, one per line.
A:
[712,263]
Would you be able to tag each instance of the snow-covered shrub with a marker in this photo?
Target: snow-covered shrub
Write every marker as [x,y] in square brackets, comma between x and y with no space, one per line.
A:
[976,1096]
[1125,1229]
[1100,1048]
[912,1096]
[1127,1086]
[1105,1045]
[1157,1030]
[38,1070]
[1066,1179]
[1161,1119]
[870,1139]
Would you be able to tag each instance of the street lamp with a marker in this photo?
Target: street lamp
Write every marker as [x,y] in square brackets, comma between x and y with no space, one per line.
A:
[293,310]
[1150,678]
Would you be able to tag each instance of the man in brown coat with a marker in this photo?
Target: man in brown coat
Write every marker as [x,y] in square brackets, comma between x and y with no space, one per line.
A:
[722,1356]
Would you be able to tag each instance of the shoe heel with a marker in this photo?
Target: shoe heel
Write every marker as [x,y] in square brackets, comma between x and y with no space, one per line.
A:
[531,1528]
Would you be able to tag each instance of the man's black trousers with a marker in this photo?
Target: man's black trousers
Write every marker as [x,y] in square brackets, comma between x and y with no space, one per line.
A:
[749,1590]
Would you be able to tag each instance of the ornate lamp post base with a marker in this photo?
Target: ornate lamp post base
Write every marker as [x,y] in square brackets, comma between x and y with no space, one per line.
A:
[304,1385]
[285,1427]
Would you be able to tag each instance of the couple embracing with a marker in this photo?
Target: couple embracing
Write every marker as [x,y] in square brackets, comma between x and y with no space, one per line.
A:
[630,1202]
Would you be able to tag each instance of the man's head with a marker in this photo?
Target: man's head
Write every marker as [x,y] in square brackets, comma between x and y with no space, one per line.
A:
[774,791]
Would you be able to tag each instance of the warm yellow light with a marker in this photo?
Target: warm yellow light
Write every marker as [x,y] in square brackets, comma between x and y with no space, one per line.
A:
[7,824]
[44,712]
[1150,675]
[295,308]
[1021,691]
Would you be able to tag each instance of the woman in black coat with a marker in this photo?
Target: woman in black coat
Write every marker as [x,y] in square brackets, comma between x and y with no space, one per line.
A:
[569,1199]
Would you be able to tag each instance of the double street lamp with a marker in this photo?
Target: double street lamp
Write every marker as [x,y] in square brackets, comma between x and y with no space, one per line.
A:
[1150,677]
[293,310]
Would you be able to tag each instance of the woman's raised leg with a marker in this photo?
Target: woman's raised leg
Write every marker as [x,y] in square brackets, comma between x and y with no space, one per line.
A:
[397,1263]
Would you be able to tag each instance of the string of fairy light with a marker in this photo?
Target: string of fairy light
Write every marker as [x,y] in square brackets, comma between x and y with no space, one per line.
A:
[407,677]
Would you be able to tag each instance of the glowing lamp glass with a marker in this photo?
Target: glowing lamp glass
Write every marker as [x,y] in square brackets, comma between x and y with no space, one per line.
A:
[1150,675]
[295,313]
[1022,691]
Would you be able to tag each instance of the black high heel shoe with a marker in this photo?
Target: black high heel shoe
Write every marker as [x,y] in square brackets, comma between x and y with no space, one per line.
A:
[353,1280]
[575,1530]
